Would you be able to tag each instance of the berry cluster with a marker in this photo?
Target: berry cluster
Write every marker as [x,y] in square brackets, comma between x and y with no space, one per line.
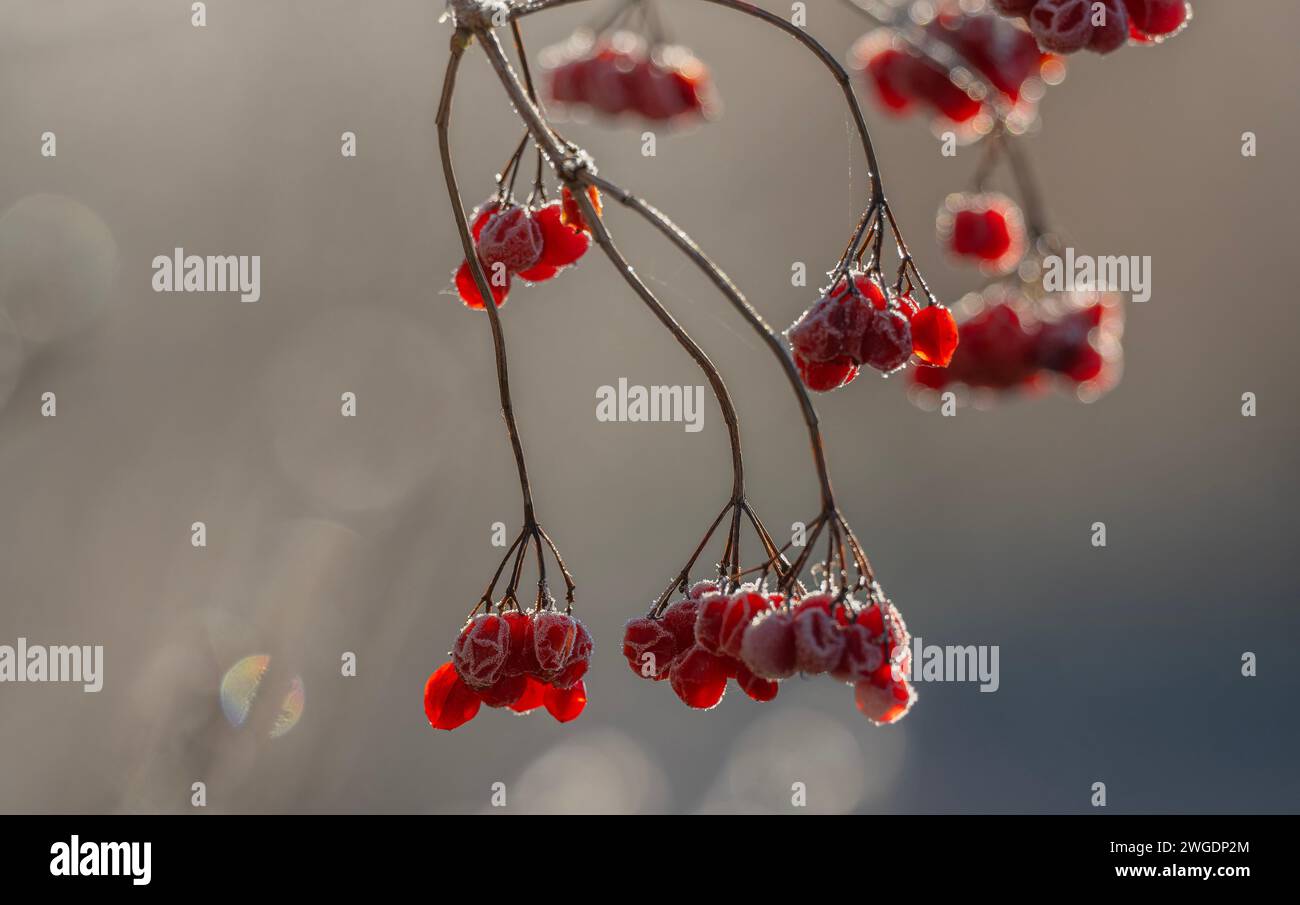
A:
[1012,344]
[514,659]
[860,321]
[533,242]
[925,68]
[985,227]
[760,639]
[622,72]
[1066,26]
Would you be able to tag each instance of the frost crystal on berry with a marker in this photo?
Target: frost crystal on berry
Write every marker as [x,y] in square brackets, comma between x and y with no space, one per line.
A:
[481,650]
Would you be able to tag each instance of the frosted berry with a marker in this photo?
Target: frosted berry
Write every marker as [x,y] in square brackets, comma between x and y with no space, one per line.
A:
[649,647]
[884,705]
[448,701]
[861,658]
[818,644]
[679,619]
[554,635]
[510,237]
[699,678]
[1061,26]
[1112,33]
[887,343]
[824,376]
[708,622]
[534,696]
[522,658]
[579,658]
[505,691]
[702,588]
[481,650]
[768,649]
[934,335]
[566,704]
[467,288]
[833,327]
[761,690]
[1157,17]
[739,612]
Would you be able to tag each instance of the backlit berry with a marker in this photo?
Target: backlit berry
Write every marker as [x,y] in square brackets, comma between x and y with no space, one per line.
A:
[861,657]
[579,658]
[739,612]
[505,691]
[934,335]
[554,635]
[824,376]
[1157,17]
[572,211]
[534,696]
[679,619]
[510,237]
[884,705]
[818,644]
[481,650]
[833,327]
[522,658]
[448,701]
[1061,26]
[887,343]
[768,648]
[467,288]
[699,678]
[562,244]
[708,622]
[759,689]
[566,704]
[986,228]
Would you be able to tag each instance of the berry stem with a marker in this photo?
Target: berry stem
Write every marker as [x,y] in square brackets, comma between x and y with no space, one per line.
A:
[569,168]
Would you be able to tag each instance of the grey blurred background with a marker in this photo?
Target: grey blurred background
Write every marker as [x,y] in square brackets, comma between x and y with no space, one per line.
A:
[371,534]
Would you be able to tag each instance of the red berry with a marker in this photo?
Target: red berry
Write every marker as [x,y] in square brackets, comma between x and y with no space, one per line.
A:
[579,658]
[467,289]
[699,678]
[505,691]
[1061,26]
[824,376]
[739,612]
[510,237]
[833,327]
[566,83]
[761,690]
[448,701]
[987,227]
[884,705]
[534,696]
[981,234]
[566,704]
[702,588]
[768,649]
[933,86]
[607,81]
[1112,33]
[818,644]
[562,244]
[679,619]
[572,211]
[554,635]
[1157,17]
[889,71]
[522,658]
[887,344]
[656,93]
[861,657]
[934,335]
[481,650]
[708,622]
